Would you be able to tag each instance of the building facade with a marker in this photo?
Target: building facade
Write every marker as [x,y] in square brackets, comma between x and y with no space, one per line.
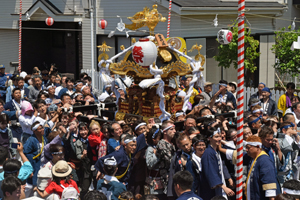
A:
[68,41]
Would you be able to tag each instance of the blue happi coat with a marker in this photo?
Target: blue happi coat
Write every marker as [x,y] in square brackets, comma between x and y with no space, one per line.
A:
[123,159]
[212,174]
[262,177]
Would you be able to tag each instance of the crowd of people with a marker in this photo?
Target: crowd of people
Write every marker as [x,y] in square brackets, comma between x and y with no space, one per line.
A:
[47,152]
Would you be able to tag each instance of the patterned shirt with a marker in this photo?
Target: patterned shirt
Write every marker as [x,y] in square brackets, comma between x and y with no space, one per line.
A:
[165,151]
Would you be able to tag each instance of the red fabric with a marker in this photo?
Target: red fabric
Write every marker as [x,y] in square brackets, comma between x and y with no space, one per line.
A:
[54,188]
[95,140]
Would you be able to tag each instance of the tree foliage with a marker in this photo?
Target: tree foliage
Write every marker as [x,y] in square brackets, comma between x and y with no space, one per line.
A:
[287,61]
[228,53]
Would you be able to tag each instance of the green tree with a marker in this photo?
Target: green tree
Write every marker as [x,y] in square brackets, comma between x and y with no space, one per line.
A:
[228,53]
[287,61]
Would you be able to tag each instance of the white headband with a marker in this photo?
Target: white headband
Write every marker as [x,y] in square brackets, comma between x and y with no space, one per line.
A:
[84,87]
[50,86]
[110,161]
[139,125]
[77,94]
[255,104]
[171,126]
[78,83]
[179,114]
[223,84]
[257,110]
[130,140]
[216,132]
[255,144]
[292,192]
[36,126]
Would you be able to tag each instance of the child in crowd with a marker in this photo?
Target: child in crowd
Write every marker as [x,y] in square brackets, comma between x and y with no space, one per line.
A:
[95,139]
[11,188]
[61,180]
[26,119]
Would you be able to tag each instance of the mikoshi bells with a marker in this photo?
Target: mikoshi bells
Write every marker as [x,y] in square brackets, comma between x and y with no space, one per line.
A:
[49,21]
[224,36]
[144,52]
[102,23]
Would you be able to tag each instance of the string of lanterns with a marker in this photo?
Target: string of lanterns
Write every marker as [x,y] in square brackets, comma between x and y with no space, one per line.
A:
[224,36]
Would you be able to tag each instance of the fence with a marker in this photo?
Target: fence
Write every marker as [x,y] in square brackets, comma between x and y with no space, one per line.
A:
[248,91]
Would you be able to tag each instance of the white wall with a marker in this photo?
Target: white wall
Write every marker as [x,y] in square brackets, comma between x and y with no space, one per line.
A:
[266,60]
[9,48]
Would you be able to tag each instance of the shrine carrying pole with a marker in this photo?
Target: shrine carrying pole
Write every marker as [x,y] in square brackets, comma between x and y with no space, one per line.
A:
[240,100]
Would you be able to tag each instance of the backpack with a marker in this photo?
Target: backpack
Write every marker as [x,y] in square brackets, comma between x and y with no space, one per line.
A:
[69,192]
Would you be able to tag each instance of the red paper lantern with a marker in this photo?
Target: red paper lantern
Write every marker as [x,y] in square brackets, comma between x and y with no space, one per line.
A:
[49,21]
[102,23]
[144,52]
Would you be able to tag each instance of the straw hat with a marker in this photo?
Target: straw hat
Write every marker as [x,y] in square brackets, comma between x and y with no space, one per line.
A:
[61,169]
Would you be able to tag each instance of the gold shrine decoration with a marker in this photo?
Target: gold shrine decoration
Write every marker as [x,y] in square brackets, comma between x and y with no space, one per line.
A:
[130,68]
[104,55]
[198,56]
[146,18]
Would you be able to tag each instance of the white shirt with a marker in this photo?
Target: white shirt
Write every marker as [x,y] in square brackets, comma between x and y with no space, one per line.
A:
[57,89]
[26,122]
[296,119]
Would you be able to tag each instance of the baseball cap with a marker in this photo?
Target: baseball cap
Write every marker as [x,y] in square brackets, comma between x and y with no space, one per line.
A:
[2,67]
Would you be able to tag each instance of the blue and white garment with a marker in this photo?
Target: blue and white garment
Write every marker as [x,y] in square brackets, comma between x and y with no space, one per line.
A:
[213,175]
[111,187]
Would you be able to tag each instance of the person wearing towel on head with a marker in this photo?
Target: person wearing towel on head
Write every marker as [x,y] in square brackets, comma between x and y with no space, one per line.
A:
[33,150]
[261,180]
[268,105]
[124,157]
[110,185]
[106,93]
[213,169]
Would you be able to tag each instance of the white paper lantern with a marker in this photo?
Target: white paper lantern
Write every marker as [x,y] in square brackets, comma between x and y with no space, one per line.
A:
[144,52]
[224,36]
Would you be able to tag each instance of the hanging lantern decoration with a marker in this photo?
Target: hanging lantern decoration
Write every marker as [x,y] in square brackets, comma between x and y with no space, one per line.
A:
[102,23]
[49,21]
[224,36]
[144,52]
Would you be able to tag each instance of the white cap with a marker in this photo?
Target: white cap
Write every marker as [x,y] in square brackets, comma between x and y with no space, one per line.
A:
[23,74]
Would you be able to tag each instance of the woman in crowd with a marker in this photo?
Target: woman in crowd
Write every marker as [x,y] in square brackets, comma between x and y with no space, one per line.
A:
[81,148]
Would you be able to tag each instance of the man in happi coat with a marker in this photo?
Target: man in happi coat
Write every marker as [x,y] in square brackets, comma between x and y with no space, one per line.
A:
[261,178]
